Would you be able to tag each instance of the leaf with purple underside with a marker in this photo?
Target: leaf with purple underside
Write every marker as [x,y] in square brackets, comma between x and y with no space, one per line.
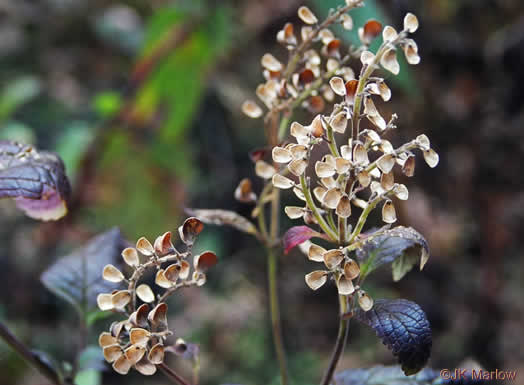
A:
[77,277]
[404,328]
[35,179]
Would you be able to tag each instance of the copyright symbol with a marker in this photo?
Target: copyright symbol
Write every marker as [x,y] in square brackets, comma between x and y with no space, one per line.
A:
[445,374]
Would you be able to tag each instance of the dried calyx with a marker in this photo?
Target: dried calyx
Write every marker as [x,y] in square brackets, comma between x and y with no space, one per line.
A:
[139,341]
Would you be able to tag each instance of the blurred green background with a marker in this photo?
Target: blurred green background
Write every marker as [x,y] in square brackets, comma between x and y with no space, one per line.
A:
[142,101]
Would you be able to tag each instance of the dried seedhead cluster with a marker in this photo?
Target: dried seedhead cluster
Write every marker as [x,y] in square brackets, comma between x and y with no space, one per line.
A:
[355,170]
[139,341]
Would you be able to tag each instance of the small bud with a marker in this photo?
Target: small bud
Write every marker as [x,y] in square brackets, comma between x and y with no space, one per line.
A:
[281,182]
[389,214]
[306,15]
[316,279]
[333,258]
[364,300]
[431,158]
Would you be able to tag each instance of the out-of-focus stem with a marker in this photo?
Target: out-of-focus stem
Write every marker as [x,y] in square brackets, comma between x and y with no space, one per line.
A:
[172,375]
[11,340]
[343,330]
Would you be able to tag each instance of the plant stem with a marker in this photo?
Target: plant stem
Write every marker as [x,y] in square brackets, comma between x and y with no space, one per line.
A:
[275,315]
[46,370]
[172,375]
[311,205]
[343,331]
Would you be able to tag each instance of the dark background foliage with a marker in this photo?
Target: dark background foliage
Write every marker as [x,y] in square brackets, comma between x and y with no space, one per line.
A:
[142,100]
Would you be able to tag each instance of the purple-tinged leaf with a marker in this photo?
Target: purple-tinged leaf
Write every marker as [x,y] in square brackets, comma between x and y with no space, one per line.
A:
[297,235]
[401,246]
[403,327]
[77,277]
[35,179]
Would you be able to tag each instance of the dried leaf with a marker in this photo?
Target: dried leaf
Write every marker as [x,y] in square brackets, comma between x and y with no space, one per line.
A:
[35,179]
[404,328]
[77,277]
[223,218]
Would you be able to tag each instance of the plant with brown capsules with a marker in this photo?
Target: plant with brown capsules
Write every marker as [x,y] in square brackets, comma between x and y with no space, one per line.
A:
[341,166]
[141,339]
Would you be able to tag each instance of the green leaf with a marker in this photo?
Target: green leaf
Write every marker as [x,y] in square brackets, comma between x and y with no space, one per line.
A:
[401,246]
[77,277]
[88,377]
[17,92]
[404,328]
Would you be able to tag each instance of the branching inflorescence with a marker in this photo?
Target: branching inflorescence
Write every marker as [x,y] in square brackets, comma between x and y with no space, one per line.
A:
[354,173]
[139,341]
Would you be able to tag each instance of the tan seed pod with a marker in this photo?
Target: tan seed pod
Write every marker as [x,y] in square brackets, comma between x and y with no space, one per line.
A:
[386,147]
[389,61]
[271,63]
[134,353]
[367,58]
[332,198]
[305,14]
[298,130]
[316,279]
[423,142]
[317,127]
[161,279]
[199,278]
[320,193]
[251,109]
[345,286]
[329,182]
[112,274]
[365,301]
[163,245]
[371,30]
[299,194]
[351,90]
[389,34]
[264,170]
[172,272]
[345,151]
[158,316]
[117,328]
[306,32]
[411,52]
[106,339]
[401,192]
[244,192]
[347,22]
[332,64]
[316,253]
[431,158]
[130,256]
[294,212]
[342,165]
[385,91]
[360,155]
[139,317]
[281,182]
[351,269]
[409,166]
[364,178]
[145,293]
[145,247]
[324,170]
[281,155]
[389,214]
[112,353]
[120,299]
[386,163]
[145,367]
[298,167]
[185,269]
[139,337]
[104,301]
[387,181]
[156,354]
[122,365]
[333,258]
[190,229]
[410,23]
[344,207]
[205,261]
[298,151]
[338,86]
[339,122]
